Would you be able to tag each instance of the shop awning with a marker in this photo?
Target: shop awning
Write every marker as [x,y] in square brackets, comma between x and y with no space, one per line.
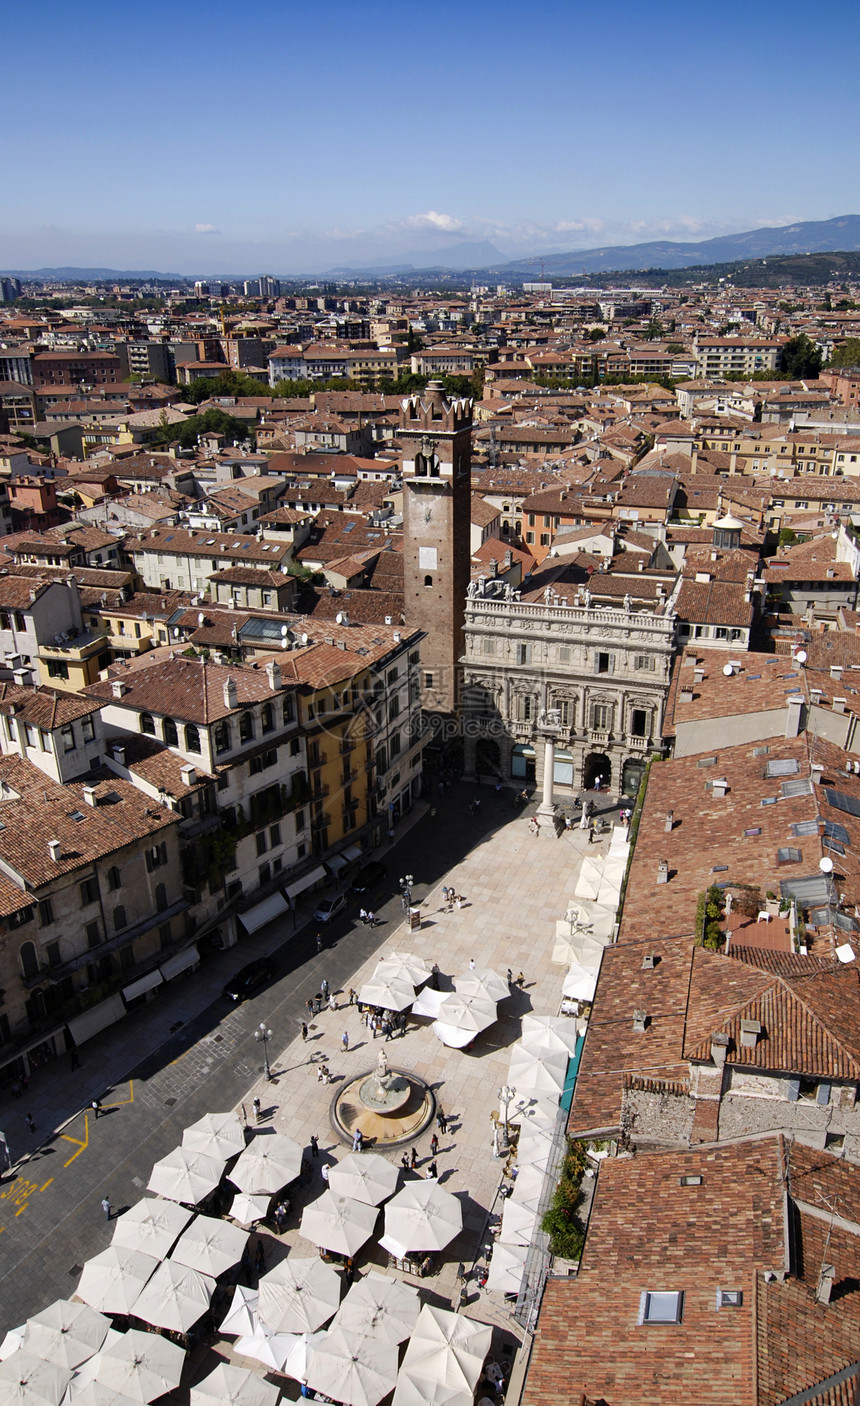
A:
[188,957]
[143,984]
[305,882]
[83,1027]
[262,913]
[336,863]
[351,852]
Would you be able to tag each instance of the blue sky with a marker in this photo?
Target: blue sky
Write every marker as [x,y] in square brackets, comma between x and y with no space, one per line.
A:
[286,137]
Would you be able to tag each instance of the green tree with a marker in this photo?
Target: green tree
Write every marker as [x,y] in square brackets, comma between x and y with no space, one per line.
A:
[653,330]
[596,334]
[848,354]
[212,421]
[801,357]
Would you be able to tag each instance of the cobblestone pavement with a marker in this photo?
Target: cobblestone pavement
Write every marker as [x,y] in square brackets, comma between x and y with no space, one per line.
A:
[164,1066]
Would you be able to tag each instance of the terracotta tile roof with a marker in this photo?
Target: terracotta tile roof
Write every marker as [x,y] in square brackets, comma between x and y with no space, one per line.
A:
[189,689]
[714,603]
[44,707]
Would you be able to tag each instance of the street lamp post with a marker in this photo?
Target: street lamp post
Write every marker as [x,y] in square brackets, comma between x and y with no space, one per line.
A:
[406,884]
[506,1094]
[264,1035]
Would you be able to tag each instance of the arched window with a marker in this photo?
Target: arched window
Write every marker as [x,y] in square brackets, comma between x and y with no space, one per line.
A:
[171,736]
[246,727]
[192,738]
[160,898]
[29,959]
[267,717]
[147,724]
[119,920]
[222,737]
[428,580]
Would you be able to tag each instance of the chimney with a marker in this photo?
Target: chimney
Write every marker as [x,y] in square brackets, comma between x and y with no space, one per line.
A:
[670,822]
[663,871]
[793,708]
[640,1020]
[509,559]
[55,850]
[118,753]
[686,695]
[720,787]
[836,672]
[494,567]
[839,705]
[699,674]
[90,796]
[825,1283]
[117,687]
[750,1032]
[188,774]
[231,697]
[719,1046]
[273,674]
[815,695]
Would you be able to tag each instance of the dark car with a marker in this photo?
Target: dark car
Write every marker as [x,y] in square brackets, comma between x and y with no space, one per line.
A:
[248,980]
[368,877]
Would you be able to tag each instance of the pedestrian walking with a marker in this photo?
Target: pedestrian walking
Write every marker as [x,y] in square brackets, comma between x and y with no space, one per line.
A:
[318,939]
[521,981]
[471,964]
[432,1171]
[96,1107]
[404,1161]
[510,976]
[309,1007]
[28,1119]
[477,805]
[344,1041]
[387,1030]
[304,1030]
[434,1145]
[332,1003]
[413,1159]
[315,1145]
[434,976]
[441,1122]
[257,1109]
[324,988]
[106,1207]
[371,919]
[362,913]
[353,996]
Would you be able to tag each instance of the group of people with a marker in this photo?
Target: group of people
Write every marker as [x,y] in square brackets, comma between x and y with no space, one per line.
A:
[452,898]
[367,917]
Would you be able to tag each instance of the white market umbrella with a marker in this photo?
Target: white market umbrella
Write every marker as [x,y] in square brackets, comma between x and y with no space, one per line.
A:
[473,1013]
[580,983]
[483,981]
[272,1349]
[12,1341]
[338,1223]
[27,1380]
[428,1002]
[391,995]
[234,1386]
[271,1161]
[365,1176]
[412,1390]
[414,968]
[298,1295]
[84,1391]
[210,1245]
[175,1297]
[537,1073]
[518,1225]
[296,1365]
[385,1309]
[247,1209]
[507,1268]
[534,1111]
[454,1036]
[185,1175]
[111,1281]
[141,1366]
[447,1348]
[352,1369]
[610,884]
[423,1216]
[589,879]
[528,1187]
[548,1034]
[216,1134]
[66,1333]
[241,1316]
[535,1148]
[598,922]
[152,1225]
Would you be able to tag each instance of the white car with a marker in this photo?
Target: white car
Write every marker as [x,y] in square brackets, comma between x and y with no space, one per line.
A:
[329,908]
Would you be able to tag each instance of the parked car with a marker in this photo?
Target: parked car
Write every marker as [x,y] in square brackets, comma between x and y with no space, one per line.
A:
[249,979]
[328,908]
[368,877]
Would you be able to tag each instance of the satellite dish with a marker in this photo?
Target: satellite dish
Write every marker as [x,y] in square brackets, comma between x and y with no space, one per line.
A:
[285,629]
[339,618]
[728,670]
[801,656]
[304,639]
[825,865]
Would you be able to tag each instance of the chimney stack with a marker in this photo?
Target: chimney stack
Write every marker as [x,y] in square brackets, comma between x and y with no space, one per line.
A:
[231,697]
[55,849]
[90,796]
[273,674]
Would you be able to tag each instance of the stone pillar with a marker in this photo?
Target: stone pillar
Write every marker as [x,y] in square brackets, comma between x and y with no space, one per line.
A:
[546,815]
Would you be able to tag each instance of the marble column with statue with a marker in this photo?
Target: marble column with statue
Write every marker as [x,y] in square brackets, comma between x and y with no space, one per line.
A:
[548,725]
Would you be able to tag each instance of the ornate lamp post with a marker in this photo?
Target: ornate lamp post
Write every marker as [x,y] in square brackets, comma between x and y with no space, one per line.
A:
[264,1035]
[406,884]
[506,1095]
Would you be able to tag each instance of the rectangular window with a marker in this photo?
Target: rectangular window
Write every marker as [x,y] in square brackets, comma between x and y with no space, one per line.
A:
[88,728]
[89,891]
[602,663]
[52,952]
[300,821]
[646,661]
[525,709]
[601,717]
[264,874]
[524,654]
[46,912]
[58,669]
[274,835]
[639,722]
[261,842]
[428,681]
[94,934]
[68,735]
[661,1306]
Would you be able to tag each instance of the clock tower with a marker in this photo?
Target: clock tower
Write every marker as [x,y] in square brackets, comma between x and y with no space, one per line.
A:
[436,434]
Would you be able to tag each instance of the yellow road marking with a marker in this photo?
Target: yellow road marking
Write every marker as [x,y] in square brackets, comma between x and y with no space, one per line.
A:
[77,1142]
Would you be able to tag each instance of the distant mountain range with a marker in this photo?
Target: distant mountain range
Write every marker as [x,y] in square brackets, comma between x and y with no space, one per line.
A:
[806,237]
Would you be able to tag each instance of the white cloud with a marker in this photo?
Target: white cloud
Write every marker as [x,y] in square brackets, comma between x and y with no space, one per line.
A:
[434,219]
[206,229]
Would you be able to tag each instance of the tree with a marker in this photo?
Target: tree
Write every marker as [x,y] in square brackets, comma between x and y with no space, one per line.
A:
[801,357]
[653,330]
[596,334]
[676,348]
[212,421]
[848,354]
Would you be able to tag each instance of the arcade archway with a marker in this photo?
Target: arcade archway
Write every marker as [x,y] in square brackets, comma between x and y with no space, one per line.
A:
[597,767]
